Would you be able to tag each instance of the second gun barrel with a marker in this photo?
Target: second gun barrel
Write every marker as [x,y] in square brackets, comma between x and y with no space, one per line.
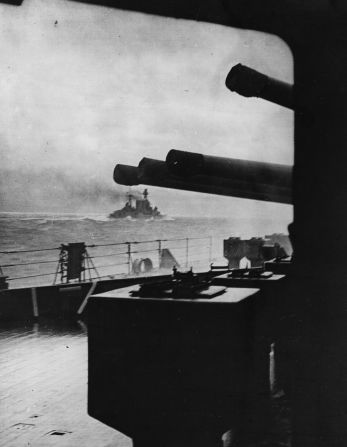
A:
[186,164]
[156,173]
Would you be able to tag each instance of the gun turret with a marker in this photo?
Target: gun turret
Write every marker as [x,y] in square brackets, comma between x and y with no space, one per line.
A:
[239,179]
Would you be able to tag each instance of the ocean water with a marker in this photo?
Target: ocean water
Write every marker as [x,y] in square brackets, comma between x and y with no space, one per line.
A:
[22,232]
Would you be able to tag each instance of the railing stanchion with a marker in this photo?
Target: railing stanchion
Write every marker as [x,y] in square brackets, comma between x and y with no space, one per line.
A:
[129,257]
[56,274]
[187,251]
[159,252]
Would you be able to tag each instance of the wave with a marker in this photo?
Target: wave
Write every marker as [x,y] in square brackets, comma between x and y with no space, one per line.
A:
[42,221]
[162,219]
[52,217]
[49,218]
[98,218]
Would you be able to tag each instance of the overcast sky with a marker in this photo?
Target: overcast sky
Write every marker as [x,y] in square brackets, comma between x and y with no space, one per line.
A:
[84,87]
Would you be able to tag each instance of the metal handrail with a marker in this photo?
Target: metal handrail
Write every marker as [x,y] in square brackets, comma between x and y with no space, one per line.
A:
[182,258]
[29,263]
[146,242]
[31,276]
[112,265]
[109,254]
[28,251]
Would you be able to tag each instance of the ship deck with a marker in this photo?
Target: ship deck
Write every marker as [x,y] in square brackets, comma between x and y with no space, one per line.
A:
[43,389]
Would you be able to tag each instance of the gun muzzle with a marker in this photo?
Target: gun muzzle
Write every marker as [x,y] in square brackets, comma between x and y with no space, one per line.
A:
[126,175]
[251,83]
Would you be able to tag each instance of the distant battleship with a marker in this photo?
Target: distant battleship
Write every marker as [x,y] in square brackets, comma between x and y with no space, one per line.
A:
[141,210]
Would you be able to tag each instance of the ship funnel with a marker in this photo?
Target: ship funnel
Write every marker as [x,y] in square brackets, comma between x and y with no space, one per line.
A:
[251,83]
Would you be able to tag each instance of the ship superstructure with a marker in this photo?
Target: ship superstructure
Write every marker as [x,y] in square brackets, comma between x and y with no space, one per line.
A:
[137,208]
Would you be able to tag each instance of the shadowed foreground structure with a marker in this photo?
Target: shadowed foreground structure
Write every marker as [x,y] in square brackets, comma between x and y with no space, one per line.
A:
[44,390]
[43,387]
[311,343]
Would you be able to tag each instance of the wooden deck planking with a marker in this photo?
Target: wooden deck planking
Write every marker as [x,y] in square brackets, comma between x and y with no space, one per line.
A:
[43,389]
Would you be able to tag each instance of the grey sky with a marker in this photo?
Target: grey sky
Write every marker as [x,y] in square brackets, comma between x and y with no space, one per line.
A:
[83,88]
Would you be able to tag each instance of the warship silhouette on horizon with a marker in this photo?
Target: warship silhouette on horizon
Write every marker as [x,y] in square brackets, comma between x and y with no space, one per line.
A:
[141,210]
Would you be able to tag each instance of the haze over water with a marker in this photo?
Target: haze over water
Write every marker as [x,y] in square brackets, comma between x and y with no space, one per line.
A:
[33,231]
[84,88]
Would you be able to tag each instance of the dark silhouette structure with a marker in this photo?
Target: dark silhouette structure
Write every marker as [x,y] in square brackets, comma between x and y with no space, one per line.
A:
[251,83]
[313,302]
[213,175]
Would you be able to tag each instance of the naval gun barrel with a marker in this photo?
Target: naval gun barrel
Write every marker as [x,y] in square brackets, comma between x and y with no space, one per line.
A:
[126,175]
[251,83]
[156,173]
[187,164]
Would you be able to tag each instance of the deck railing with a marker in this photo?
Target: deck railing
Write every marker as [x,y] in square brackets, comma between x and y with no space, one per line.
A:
[106,260]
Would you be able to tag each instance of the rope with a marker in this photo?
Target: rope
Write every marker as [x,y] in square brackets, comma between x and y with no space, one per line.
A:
[146,242]
[112,265]
[108,255]
[29,263]
[28,251]
[103,245]
[30,276]
[128,252]
[107,245]
[145,251]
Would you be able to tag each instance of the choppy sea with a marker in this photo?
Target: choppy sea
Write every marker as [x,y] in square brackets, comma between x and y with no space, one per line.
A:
[22,233]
